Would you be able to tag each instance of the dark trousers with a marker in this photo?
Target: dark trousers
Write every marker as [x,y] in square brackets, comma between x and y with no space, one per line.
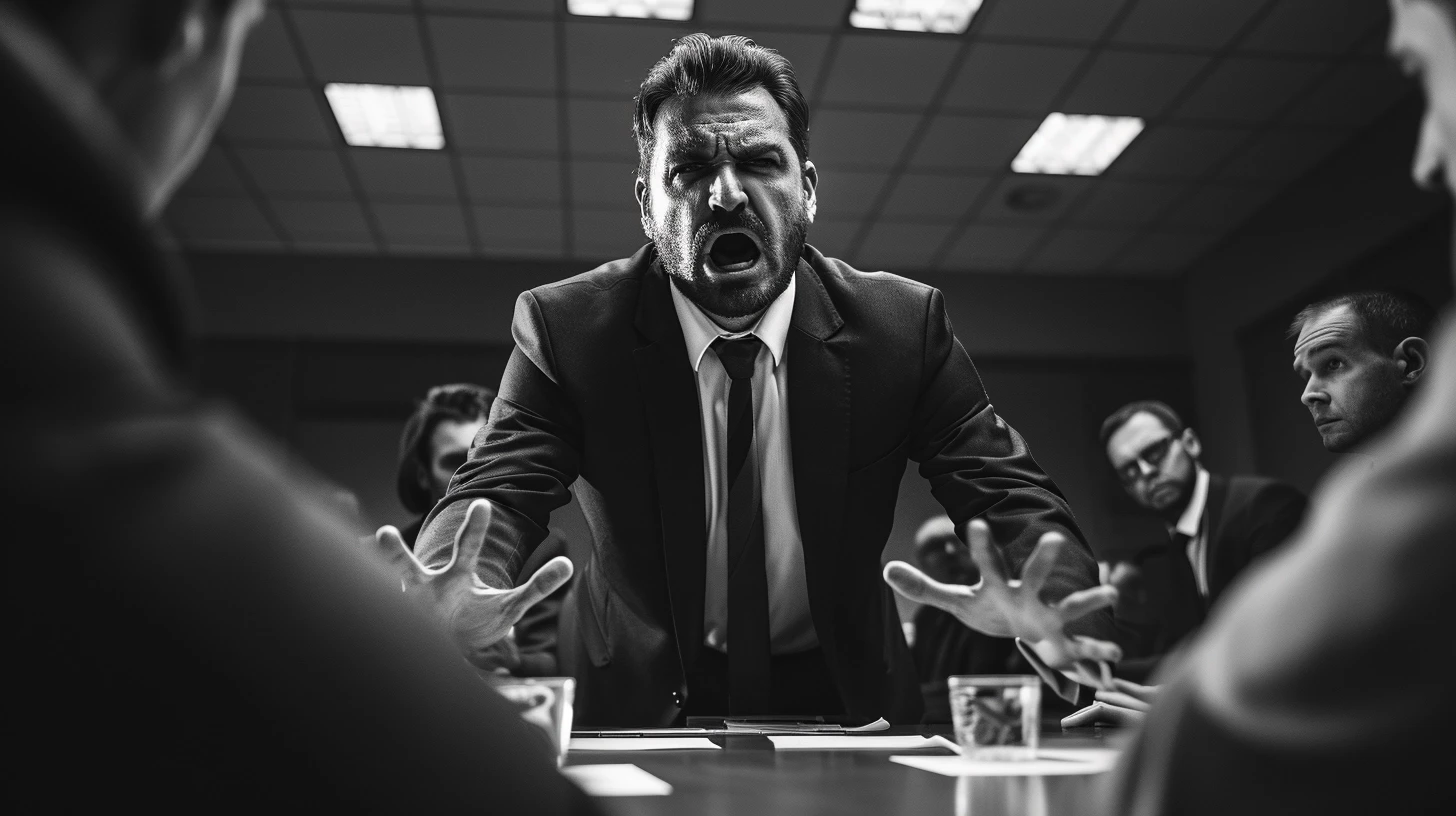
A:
[801,684]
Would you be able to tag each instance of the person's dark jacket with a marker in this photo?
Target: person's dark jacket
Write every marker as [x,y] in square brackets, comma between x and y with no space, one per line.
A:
[599,388]
[190,627]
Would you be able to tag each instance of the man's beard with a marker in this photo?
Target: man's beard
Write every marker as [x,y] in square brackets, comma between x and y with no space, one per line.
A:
[683,255]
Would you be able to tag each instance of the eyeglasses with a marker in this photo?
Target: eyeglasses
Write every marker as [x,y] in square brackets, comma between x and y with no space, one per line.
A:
[1153,456]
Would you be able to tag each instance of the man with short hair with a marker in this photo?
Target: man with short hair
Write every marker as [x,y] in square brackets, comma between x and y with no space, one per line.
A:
[192,628]
[738,410]
[433,445]
[1217,525]
[1360,356]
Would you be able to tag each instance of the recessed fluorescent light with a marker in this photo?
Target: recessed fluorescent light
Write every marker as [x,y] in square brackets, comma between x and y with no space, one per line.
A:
[1071,144]
[936,16]
[386,115]
[646,9]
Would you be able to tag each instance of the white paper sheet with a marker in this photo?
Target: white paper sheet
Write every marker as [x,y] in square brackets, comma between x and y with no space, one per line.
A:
[616,780]
[1049,762]
[640,743]
[846,743]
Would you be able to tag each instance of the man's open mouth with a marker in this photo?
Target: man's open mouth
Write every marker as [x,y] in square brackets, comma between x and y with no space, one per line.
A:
[734,252]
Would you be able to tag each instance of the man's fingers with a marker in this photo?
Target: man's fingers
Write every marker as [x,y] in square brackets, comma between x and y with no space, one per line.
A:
[1147,694]
[391,545]
[1041,563]
[471,537]
[984,553]
[1083,717]
[1086,648]
[552,576]
[1084,601]
[1117,698]
[1103,714]
[921,588]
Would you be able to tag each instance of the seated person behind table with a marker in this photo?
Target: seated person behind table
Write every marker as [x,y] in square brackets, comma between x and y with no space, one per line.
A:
[1217,525]
[435,441]
[193,629]
[943,646]
[1361,356]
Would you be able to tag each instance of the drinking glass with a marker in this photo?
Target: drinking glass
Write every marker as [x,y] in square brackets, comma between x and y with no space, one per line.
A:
[997,717]
[544,702]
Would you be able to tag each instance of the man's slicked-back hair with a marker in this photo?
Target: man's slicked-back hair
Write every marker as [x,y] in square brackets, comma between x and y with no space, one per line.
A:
[701,65]
[1120,417]
[1386,316]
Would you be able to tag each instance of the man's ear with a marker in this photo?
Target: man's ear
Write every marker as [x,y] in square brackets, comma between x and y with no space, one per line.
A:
[639,189]
[1191,443]
[811,186]
[1411,355]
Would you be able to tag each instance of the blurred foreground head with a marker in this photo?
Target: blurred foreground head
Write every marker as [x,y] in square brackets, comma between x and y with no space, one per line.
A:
[165,70]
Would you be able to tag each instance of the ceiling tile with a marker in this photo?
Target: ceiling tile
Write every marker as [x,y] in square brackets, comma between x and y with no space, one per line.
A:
[1178,151]
[1164,252]
[296,170]
[804,51]
[846,195]
[855,139]
[513,6]
[505,124]
[494,53]
[330,222]
[404,173]
[972,142]
[493,180]
[363,46]
[1127,203]
[605,234]
[600,128]
[1132,83]
[901,247]
[215,175]
[1283,155]
[222,222]
[1059,192]
[1315,26]
[270,53]
[1181,24]
[520,231]
[1013,78]
[603,182]
[884,70]
[992,247]
[266,114]
[1075,20]
[1219,207]
[1352,95]
[932,197]
[614,56]
[1249,89]
[422,228]
[809,13]
[1078,249]
[834,238]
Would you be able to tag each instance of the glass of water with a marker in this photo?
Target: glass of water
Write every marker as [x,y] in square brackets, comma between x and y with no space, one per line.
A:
[997,717]
[545,702]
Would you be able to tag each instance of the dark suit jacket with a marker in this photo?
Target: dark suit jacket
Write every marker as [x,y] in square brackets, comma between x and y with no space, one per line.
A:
[599,388]
[189,622]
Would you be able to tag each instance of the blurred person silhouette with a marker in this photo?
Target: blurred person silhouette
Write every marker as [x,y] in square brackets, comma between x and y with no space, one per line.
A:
[1361,356]
[210,634]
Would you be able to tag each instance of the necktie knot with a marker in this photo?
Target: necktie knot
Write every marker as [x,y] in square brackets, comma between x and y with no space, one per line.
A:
[738,356]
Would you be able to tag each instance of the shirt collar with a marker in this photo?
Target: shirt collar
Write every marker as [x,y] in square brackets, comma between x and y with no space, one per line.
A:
[699,330]
[1193,513]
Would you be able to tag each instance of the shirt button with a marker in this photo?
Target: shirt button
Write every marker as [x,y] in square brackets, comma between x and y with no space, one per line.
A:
[677,699]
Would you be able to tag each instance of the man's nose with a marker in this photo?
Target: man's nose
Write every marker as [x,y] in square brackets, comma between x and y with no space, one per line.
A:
[1145,468]
[727,193]
[1314,394]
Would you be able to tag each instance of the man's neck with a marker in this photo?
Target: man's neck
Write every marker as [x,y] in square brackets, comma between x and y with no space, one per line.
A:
[734,324]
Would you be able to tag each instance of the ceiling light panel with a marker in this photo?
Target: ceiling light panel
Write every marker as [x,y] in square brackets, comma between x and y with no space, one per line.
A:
[386,115]
[1076,144]
[934,16]
[642,9]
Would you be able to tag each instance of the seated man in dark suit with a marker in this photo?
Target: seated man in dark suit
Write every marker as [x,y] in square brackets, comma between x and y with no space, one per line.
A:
[1217,525]
[737,410]
[195,628]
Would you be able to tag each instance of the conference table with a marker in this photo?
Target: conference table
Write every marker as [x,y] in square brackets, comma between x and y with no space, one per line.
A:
[748,776]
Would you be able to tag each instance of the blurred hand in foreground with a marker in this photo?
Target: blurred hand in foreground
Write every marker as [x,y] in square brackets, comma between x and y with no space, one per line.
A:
[1006,607]
[477,616]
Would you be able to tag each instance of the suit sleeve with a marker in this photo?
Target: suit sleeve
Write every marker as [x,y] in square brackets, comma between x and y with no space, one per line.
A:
[524,460]
[979,466]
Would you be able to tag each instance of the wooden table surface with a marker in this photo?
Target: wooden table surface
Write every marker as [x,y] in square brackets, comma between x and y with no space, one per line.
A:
[749,777]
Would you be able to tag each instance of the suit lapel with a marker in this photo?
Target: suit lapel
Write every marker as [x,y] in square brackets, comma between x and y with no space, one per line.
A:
[819,416]
[1213,518]
[674,430]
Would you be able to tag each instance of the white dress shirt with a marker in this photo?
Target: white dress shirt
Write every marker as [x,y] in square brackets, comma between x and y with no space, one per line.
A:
[1191,524]
[790,627]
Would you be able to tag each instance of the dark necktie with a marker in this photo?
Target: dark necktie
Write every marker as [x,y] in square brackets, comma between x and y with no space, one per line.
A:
[748,633]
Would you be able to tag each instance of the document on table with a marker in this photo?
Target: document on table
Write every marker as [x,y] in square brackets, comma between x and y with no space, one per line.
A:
[1048,762]
[827,742]
[640,744]
[616,780]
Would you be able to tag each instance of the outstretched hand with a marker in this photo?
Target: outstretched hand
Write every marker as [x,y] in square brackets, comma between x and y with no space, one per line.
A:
[476,615]
[1007,607]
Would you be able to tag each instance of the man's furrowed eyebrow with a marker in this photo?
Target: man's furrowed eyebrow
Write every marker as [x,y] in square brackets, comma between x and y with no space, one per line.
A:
[1318,348]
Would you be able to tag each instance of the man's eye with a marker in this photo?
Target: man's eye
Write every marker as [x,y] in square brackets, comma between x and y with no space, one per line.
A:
[1334,365]
[682,169]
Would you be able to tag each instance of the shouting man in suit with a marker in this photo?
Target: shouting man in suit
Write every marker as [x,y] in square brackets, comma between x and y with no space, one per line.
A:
[739,409]
[1217,524]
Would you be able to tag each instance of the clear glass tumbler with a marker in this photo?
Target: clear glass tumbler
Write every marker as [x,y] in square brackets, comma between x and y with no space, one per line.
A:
[997,717]
[545,702]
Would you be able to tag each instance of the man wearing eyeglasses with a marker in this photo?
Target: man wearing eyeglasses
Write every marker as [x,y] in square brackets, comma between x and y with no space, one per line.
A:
[1216,525]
